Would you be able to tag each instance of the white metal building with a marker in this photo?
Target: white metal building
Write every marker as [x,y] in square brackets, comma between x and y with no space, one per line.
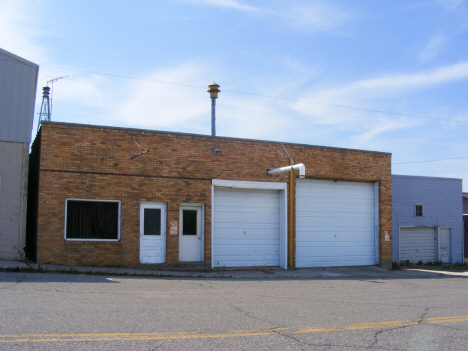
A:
[18,82]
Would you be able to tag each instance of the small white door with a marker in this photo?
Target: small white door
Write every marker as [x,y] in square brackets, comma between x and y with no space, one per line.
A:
[153,232]
[190,234]
[444,245]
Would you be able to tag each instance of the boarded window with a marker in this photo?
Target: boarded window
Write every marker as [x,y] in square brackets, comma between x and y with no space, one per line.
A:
[88,220]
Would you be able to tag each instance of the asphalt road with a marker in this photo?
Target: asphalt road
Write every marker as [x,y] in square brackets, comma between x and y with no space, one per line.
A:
[82,312]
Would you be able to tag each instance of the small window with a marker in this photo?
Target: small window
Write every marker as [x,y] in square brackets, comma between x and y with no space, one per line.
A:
[189,222]
[152,221]
[92,220]
[419,210]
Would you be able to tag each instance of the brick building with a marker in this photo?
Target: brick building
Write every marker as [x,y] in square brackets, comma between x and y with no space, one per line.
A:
[116,196]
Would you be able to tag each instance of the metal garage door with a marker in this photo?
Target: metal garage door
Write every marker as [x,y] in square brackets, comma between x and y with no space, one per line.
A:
[246,227]
[335,223]
[418,244]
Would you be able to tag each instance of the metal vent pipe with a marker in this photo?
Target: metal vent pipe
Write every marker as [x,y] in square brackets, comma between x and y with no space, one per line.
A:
[213,95]
[298,166]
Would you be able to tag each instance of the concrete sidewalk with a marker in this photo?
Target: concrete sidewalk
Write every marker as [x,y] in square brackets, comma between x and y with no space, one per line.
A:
[256,273]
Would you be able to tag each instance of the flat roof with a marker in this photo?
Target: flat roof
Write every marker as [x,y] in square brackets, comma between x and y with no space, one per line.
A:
[426,177]
[207,136]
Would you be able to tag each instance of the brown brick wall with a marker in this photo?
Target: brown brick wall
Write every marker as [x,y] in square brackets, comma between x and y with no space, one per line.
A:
[95,163]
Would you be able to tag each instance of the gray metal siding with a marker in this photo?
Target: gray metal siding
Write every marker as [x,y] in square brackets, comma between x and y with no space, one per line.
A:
[442,202]
[18,81]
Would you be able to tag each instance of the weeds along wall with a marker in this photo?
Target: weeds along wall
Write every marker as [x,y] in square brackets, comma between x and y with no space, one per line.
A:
[93,162]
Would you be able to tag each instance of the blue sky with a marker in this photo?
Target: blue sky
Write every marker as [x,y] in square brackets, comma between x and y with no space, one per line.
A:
[386,76]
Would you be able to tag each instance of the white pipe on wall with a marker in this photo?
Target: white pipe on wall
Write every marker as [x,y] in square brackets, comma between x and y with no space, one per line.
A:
[298,166]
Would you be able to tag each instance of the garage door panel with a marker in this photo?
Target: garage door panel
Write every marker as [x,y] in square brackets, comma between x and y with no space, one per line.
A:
[251,234]
[245,261]
[418,244]
[335,223]
[238,242]
[260,250]
[246,227]
[327,262]
[341,247]
[338,224]
[330,238]
[335,201]
[252,217]
[250,237]
[240,207]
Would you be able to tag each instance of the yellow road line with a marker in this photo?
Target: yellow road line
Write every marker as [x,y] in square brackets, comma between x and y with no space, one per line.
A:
[22,338]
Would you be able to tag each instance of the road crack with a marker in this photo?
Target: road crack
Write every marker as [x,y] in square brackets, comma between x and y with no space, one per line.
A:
[13,284]
[418,322]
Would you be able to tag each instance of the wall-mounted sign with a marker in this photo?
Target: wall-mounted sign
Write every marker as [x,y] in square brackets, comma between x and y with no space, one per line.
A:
[174,227]
[387,236]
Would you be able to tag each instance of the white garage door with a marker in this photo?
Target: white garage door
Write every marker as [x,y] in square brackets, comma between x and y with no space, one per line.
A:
[335,223]
[418,244]
[246,227]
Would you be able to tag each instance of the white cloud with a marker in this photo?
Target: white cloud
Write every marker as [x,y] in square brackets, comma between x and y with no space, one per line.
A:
[305,15]
[315,16]
[433,48]
[374,130]
[252,117]
[232,4]
[365,125]
[150,104]
[365,93]
[410,81]
[19,29]
[84,91]
[451,4]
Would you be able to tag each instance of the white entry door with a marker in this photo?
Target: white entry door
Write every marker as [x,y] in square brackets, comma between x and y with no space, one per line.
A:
[444,245]
[153,232]
[190,233]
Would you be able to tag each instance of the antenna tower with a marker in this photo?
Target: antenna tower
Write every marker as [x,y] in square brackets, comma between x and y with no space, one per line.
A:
[44,115]
[46,107]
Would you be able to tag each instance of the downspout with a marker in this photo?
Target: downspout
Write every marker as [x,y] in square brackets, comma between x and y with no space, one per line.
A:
[292,218]
[292,205]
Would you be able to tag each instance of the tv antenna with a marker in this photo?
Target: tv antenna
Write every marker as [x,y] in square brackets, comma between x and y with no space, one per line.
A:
[52,90]
[46,107]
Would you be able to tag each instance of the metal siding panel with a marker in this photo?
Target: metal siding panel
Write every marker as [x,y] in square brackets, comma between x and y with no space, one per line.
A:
[442,207]
[334,223]
[17,97]
[246,228]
